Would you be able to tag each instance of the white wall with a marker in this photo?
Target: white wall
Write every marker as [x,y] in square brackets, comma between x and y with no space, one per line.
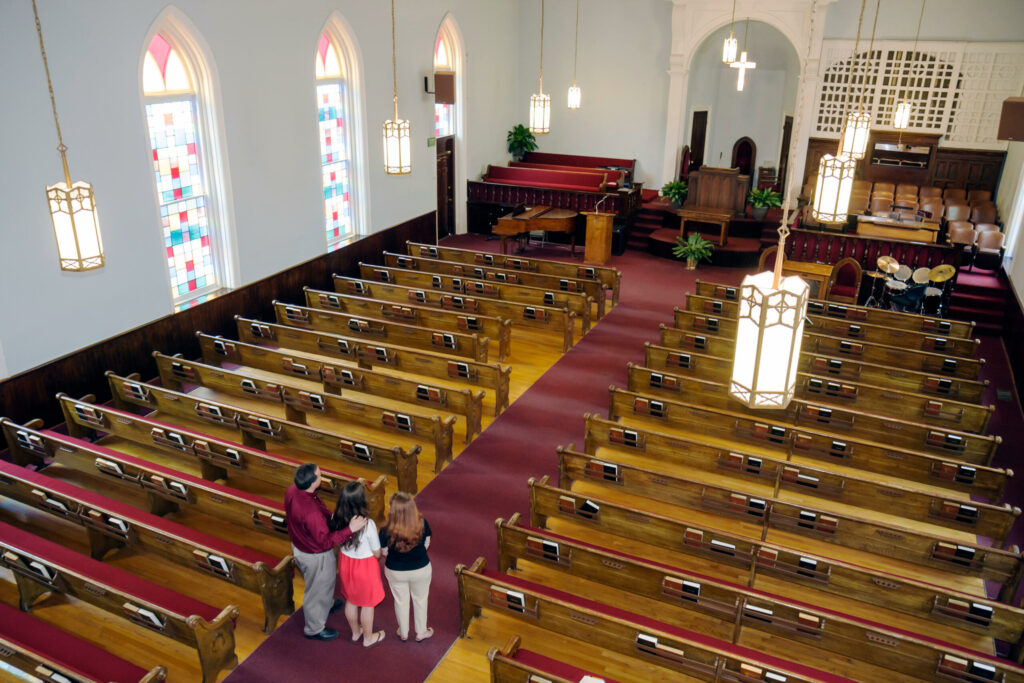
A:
[623,57]
[977,20]
[1013,167]
[262,52]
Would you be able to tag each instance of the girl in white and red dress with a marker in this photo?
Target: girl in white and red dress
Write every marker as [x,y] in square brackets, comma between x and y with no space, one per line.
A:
[358,567]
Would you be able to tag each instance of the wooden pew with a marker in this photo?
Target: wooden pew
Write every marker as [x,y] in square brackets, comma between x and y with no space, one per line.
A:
[488,375]
[875,587]
[299,402]
[891,540]
[851,637]
[410,314]
[946,471]
[167,489]
[335,379]
[858,428]
[591,288]
[558,320]
[626,633]
[41,567]
[822,325]
[371,330]
[576,303]
[785,475]
[610,278]
[881,376]
[875,316]
[816,389]
[258,428]
[872,351]
[54,656]
[217,459]
[110,524]
[513,664]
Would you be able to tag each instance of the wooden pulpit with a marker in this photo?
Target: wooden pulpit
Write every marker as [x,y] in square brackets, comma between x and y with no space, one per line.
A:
[599,237]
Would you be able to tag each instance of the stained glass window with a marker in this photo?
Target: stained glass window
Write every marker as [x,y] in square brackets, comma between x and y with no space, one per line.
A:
[177,163]
[332,98]
[444,114]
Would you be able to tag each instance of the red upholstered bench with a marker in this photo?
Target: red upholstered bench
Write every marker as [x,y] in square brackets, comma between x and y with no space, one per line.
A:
[121,524]
[176,488]
[940,646]
[529,662]
[614,176]
[38,647]
[537,183]
[41,566]
[579,160]
[218,457]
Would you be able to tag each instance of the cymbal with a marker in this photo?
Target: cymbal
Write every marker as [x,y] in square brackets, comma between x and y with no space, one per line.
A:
[941,273]
[887,264]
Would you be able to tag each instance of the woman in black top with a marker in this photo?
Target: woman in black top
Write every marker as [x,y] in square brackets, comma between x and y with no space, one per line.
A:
[404,540]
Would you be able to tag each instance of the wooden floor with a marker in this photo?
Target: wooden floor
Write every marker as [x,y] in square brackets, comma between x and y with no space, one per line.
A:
[533,351]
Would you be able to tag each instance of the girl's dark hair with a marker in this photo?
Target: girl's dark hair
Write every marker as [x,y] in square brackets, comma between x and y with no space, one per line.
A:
[351,503]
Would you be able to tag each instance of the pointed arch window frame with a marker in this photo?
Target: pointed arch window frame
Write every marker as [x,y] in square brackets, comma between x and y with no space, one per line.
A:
[347,51]
[451,111]
[195,56]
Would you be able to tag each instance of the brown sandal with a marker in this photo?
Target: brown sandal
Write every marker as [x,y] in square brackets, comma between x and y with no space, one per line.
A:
[380,636]
[426,634]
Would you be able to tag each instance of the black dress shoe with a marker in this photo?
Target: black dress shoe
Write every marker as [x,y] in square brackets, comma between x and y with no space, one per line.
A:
[326,634]
[338,604]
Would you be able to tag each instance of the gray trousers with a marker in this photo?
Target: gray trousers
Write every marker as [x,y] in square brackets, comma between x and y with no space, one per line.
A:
[319,572]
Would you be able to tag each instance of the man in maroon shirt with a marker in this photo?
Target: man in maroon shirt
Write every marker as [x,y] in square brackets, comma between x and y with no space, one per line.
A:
[313,548]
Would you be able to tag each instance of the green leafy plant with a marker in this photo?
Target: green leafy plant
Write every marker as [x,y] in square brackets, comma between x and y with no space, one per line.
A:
[694,248]
[675,191]
[520,141]
[766,198]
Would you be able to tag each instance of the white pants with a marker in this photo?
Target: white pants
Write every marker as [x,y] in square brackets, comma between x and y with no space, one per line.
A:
[415,583]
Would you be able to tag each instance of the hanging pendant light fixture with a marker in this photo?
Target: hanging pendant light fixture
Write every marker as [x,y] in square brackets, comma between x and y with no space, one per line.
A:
[397,139]
[575,96]
[742,64]
[72,205]
[901,117]
[729,46]
[833,187]
[540,104]
[853,142]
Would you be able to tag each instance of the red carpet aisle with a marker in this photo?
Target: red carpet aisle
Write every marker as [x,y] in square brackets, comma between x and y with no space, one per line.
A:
[488,480]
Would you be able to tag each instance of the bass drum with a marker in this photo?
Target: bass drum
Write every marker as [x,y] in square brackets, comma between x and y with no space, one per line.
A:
[893,289]
[932,302]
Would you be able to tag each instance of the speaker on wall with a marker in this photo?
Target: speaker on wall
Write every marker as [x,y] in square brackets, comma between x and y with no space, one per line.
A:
[1011,123]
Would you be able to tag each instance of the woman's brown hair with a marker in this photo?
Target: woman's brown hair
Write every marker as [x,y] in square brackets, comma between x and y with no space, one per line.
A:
[405,524]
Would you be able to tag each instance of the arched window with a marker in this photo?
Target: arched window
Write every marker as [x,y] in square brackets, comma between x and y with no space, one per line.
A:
[444,63]
[174,119]
[334,108]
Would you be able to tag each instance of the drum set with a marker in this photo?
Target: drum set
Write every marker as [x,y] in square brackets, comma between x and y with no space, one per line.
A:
[896,287]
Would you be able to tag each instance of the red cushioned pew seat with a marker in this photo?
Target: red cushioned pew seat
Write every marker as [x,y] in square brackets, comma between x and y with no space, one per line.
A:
[68,654]
[589,180]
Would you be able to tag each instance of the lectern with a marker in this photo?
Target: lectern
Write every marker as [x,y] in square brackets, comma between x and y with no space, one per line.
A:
[599,237]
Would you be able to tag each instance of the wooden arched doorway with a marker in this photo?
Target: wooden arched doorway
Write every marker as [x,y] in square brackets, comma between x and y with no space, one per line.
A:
[744,153]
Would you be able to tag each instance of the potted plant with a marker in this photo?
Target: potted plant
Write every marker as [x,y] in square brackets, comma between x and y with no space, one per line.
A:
[762,200]
[676,192]
[694,248]
[520,141]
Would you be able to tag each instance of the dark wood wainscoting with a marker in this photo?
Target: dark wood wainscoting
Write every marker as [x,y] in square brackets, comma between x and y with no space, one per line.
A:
[30,394]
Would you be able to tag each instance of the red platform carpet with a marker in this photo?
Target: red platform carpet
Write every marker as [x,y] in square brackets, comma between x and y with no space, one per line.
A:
[488,480]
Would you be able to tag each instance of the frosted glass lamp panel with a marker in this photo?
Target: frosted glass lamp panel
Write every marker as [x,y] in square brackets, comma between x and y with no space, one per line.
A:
[75,225]
[854,140]
[901,118]
[575,97]
[729,50]
[397,148]
[540,114]
[832,189]
[768,337]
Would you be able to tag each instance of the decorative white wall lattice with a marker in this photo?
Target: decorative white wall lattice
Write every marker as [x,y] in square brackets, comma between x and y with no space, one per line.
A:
[957,89]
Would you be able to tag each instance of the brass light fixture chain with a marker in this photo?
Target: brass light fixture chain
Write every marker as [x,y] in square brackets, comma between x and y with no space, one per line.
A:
[853,62]
[61,147]
[541,90]
[394,60]
[871,50]
[576,48]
